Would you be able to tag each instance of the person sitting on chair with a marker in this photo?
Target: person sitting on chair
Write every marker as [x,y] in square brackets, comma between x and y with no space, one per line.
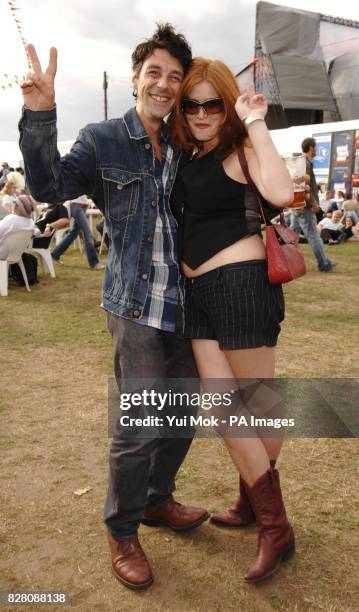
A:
[20,219]
[54,218]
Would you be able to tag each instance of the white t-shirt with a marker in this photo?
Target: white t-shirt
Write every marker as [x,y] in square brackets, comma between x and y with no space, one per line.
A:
[324,203]
[8,202]
[8,225]
[13,223]
[328,224]
[3,212]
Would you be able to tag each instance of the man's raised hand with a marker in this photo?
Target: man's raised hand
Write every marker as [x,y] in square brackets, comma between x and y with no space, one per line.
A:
[38,89]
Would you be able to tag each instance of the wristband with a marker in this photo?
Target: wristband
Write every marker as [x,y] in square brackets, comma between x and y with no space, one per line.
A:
[255,116]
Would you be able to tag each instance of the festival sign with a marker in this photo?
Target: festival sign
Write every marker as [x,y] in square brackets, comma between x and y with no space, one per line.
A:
[342,160]
[321,161]
[355,176]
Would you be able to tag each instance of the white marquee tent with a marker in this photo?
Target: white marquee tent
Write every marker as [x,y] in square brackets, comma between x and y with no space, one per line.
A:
[287,140]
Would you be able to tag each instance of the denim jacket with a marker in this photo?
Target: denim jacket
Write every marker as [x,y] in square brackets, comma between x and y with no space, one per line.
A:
[112,163]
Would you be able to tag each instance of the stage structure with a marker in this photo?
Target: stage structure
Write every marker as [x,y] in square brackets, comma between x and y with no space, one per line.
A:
[307,64]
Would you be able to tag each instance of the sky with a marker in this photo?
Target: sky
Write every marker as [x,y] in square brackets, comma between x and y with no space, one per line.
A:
[97,35]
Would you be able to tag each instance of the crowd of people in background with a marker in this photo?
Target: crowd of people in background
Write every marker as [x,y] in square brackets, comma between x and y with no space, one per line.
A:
[19,210]
[337,217]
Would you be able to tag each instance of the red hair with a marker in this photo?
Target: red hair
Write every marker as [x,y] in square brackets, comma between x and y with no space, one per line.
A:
[232,130]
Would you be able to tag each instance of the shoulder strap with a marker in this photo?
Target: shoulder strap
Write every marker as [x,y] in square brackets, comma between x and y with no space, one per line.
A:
[244,166]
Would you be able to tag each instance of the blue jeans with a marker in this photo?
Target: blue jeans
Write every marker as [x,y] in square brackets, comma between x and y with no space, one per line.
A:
[305,220]
[80,224]
[142,471]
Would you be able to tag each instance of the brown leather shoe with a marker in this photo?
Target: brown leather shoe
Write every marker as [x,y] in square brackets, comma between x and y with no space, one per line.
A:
[129,563]
[276,538]
[176,516]
[240,514]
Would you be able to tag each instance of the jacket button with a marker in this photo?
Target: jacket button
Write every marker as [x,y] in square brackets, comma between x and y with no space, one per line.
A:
[136,313]
[154,203]
[147,145]
[144,276]
[119,186]
[150,239]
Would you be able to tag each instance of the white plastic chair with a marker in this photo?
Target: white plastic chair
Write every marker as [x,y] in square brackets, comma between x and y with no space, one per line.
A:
[104,234]
[45,255]
[12,246]
[59,234]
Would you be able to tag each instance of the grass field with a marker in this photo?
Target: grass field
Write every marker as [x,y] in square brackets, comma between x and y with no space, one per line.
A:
[56,358]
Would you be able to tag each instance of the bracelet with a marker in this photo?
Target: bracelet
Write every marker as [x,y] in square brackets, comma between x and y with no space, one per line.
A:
[251,118]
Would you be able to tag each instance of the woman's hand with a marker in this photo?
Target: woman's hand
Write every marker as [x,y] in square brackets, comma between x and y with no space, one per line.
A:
[246,105]
[38,89]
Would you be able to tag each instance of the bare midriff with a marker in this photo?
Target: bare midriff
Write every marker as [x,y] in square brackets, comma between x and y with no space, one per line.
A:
[245,249]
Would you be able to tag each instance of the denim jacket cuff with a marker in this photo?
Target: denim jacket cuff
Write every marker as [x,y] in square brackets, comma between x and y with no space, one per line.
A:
[39,117]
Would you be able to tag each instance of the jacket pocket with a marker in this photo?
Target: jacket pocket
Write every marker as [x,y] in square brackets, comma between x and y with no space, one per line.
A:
[121,192]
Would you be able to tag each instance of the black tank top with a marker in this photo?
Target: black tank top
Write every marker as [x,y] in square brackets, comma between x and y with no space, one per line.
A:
[213,210]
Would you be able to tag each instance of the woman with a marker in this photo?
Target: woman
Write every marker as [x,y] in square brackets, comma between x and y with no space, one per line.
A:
[232,313]
[349,223]
[8,195]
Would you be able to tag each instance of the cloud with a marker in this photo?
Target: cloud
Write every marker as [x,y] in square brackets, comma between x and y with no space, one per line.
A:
[100,35]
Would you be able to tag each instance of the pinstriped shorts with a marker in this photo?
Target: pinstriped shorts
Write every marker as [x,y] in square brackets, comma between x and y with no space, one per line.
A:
[235,305]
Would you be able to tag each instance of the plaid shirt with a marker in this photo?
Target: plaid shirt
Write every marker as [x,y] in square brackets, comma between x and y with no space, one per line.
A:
[162,298]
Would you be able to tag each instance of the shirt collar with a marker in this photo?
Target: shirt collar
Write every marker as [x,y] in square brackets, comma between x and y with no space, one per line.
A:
[136,129]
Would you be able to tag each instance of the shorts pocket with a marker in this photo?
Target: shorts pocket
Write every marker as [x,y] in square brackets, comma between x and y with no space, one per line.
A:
[235,279]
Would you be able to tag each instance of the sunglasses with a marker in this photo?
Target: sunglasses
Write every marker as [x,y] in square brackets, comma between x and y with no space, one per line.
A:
[210,107]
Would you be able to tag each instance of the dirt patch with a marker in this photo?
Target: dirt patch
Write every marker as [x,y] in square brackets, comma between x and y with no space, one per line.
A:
[54,441]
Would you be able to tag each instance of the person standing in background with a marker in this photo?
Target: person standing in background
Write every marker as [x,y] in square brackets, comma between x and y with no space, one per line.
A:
[78,208]
[304,220]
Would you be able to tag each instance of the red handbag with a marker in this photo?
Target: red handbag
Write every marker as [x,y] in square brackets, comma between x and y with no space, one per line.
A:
[284,258]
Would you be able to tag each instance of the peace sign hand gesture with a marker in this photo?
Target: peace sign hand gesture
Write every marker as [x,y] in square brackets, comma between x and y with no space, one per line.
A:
[38,89]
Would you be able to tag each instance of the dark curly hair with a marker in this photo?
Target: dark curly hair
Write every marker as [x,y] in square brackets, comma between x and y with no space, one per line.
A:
[164,37]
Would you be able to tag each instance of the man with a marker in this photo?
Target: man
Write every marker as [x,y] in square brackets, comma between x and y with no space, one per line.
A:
[128,168]
[5,169]
[351,204]
[326,201]
[331,230]
[55,217]
[304,219]
[78,214]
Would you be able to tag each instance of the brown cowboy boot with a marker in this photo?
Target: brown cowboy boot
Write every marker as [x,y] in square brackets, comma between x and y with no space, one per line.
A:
[276,537]
[241,514]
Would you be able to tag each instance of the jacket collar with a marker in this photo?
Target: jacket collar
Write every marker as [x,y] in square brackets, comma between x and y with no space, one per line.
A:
[136,129]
